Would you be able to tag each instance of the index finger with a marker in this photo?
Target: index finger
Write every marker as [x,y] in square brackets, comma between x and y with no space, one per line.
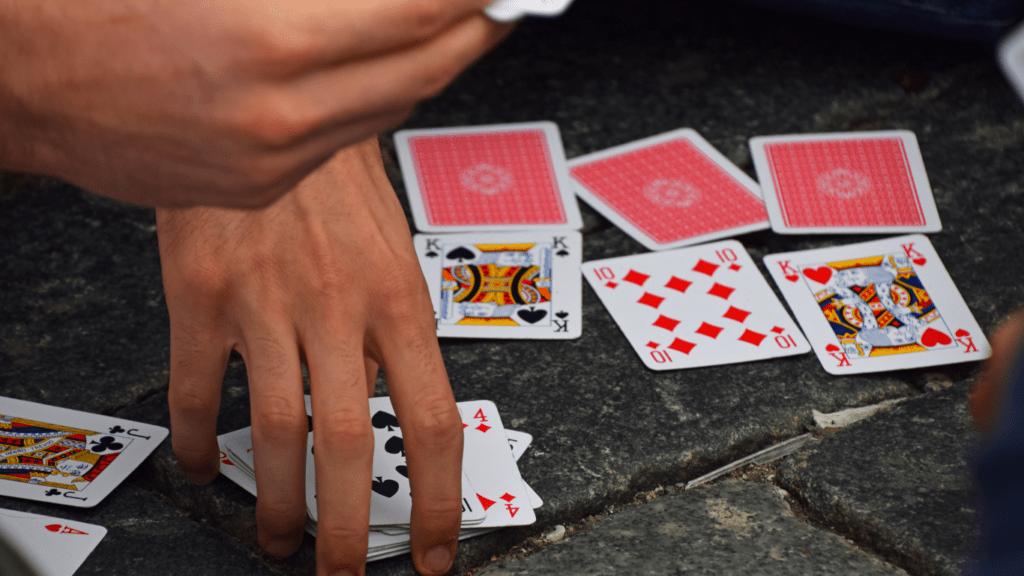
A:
[432,431]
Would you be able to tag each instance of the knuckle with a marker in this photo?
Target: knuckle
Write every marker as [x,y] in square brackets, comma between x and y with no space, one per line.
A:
[347,544]
[277,517]
[275,119]
[344,432]
[192,458]
[434,79]
[429,16]
[285,416]
[189,401]
[436,422]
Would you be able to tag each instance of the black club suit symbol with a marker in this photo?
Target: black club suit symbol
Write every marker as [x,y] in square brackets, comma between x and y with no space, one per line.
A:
[106,443]
[53,492]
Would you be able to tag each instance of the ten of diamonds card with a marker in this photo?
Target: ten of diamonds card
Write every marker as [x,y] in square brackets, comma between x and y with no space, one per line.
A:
[692,307]
[875,306]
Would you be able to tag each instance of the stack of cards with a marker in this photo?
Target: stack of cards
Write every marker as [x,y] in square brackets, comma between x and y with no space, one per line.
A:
[494,494]
[64,457]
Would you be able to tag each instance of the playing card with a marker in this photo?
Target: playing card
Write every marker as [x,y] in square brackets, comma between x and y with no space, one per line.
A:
[519,442]
[53,546]
[878,306]
[848,182]
[390,497]
[491,468]
[235,468]
[510,10]
[670,190]
[692,307]
[68,457]
[1011,58]
[487,178]
[507,285]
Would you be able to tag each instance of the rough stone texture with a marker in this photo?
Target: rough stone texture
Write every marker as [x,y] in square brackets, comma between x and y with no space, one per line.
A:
[83,323]
[729,528]
[147,536]
[897,482]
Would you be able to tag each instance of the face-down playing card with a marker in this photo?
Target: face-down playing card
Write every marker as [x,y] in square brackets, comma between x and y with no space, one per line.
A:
[670,190]
[851,182]
[506,285]
[693,307]
[487,178]
[68,457]
[390,497]
[875,306]
[52,546]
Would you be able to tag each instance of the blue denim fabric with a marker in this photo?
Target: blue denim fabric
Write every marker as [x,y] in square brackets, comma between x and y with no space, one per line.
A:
[999,467]
[964,19]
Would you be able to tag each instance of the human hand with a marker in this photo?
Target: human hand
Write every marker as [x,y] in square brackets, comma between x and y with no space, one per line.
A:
[217,103]
[327,274]
[987,394]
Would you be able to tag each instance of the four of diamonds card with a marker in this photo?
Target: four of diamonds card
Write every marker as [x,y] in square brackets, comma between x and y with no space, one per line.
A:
[508,285]
[850,182]
[875,306]
[670,190]
[699,306]
[487,178]
[68,457]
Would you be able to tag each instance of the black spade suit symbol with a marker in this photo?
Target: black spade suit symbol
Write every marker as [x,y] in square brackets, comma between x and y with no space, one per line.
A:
[384,420]
[431,254]
[461,253]
[562,252]
[386,488]
[532,316]
[402,470]
[395,445]
[563,314]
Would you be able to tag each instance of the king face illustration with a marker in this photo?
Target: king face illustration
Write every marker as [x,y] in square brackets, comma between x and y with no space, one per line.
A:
[505,285]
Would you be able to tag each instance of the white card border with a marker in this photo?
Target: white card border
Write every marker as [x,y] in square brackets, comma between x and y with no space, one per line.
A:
[111,478]
[96,535]
[932,223]
[559,164]
[935,278]
[637,234]
[567,283]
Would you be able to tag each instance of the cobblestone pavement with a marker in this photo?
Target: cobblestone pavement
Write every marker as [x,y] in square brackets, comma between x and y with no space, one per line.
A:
[83,322]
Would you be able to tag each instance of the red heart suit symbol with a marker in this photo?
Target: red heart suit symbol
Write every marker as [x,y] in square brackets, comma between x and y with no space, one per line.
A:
[832,348]
[920,261]
[933,337]
[961,333]
[819,275]
[792,277]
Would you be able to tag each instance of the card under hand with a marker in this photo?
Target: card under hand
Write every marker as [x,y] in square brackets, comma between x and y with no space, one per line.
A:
[507,285]
[670,190]
[487,178]
[692,307]
[847,182]
[390,497]
[53,546]
[65,456]
[878,306]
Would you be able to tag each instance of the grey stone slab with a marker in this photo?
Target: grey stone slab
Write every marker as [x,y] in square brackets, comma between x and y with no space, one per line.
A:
[730,528]
[145,535]
[83,323]
[897,482]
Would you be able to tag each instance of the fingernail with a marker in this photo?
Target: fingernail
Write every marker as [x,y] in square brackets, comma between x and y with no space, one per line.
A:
[438,559]
[282,547]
